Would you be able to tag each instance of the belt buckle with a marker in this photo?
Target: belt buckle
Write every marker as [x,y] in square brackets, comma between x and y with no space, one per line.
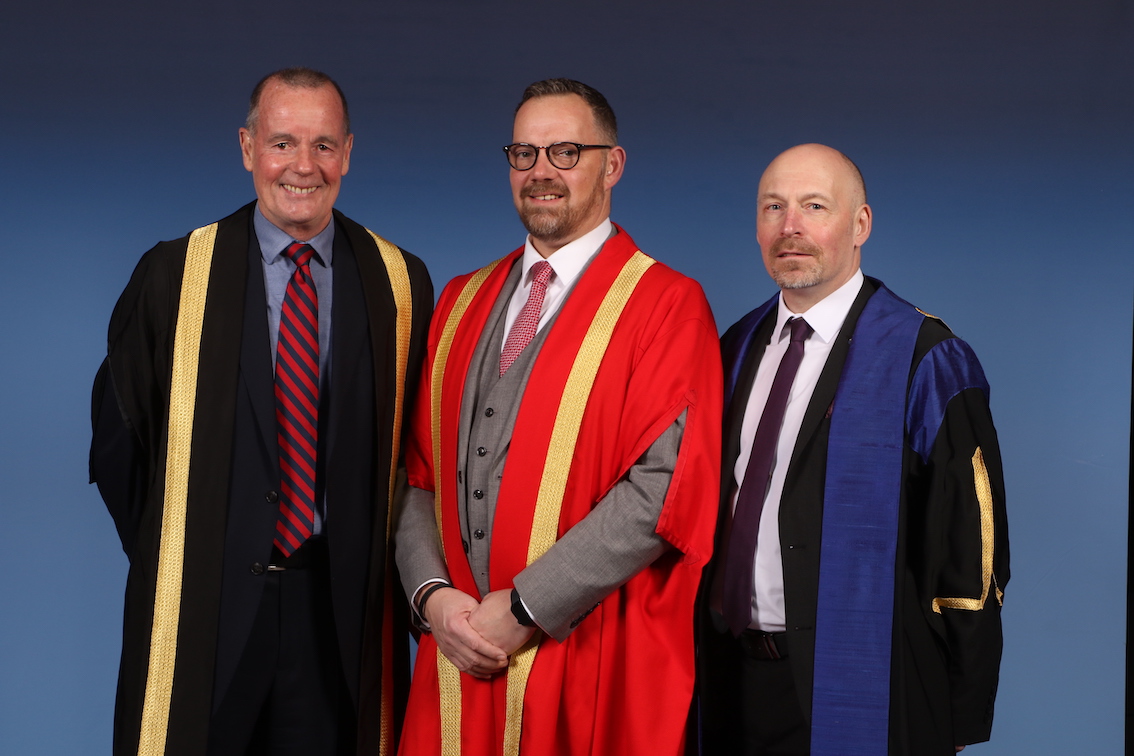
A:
[762,645]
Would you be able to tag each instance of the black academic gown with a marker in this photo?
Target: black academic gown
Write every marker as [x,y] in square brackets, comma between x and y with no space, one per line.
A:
[944,666]
[234,467]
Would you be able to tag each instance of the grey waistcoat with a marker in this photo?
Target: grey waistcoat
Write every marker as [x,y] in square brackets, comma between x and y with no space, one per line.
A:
[488,410]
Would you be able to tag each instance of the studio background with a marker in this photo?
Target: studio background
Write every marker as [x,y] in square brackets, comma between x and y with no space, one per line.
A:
[995,139]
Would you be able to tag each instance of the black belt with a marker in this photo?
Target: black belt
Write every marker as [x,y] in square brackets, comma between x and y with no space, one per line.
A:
[300,559]
[758,644]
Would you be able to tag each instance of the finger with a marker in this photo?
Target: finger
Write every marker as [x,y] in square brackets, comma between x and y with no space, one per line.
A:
[471,659]
[484,672]
[463,658]
[478,674]
[489,664]
[466,636]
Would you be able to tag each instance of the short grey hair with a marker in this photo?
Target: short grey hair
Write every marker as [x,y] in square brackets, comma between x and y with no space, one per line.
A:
[297,77]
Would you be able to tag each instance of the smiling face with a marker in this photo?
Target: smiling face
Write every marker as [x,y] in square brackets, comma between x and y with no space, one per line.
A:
[298,153]
[811,220]
[558,206]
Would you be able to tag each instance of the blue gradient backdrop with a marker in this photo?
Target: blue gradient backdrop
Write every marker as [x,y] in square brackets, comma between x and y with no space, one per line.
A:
[996,143]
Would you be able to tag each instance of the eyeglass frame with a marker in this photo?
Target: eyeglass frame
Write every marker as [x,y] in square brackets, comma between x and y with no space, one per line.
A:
[547,151]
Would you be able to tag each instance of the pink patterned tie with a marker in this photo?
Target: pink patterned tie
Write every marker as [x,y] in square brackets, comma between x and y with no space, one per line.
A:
[524,329]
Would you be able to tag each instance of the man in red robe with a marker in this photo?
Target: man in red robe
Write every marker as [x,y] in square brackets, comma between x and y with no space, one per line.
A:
[562,471]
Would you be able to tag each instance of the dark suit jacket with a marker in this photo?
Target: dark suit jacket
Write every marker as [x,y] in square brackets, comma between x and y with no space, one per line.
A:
[235,469]
[930,709]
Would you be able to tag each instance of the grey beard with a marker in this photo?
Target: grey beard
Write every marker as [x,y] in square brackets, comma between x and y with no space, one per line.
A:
[545,225]
[796,279]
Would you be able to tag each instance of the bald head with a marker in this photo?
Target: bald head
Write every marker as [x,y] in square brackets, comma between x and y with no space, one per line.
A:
[811,220]
[820,157]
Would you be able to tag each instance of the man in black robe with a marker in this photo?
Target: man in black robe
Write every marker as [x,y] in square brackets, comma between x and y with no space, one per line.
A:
[241,636]
[854,599]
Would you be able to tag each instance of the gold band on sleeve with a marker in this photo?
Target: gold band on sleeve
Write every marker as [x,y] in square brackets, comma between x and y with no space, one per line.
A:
[987,540]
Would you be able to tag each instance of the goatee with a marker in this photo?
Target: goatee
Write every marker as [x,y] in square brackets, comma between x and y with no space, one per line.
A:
[546,222]
[563,222]
[796,273]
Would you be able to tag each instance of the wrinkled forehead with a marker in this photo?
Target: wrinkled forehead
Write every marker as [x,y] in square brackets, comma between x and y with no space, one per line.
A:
[323,99]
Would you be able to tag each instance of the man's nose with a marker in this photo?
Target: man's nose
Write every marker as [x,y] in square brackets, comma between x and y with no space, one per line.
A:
[304,162]
[792,222]
[543,167]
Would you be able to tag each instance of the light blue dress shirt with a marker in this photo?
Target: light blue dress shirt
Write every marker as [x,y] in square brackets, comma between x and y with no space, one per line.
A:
[278,270]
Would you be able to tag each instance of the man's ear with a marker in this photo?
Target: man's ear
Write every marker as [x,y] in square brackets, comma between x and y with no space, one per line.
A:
[246,143]
[615,164]
[862,224]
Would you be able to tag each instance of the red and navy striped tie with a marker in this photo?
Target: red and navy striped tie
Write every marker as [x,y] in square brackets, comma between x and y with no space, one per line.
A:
[297,402]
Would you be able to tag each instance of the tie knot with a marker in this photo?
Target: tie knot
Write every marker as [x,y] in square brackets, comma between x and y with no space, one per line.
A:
[299,253]
[800,331]
[542,273]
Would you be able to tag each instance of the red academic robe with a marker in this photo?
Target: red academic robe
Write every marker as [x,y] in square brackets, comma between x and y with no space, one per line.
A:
[622,682]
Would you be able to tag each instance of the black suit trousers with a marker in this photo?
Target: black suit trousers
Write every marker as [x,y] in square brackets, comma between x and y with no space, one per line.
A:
[288,695]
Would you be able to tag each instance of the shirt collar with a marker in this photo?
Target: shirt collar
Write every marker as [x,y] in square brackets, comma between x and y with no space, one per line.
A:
[273,240]
[825,316]
[569,260]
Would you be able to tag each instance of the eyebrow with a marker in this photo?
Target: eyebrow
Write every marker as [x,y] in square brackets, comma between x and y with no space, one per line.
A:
[284,137]
[805,198]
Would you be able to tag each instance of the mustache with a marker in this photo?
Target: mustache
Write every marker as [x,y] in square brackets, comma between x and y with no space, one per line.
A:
[546,187]
[794,245]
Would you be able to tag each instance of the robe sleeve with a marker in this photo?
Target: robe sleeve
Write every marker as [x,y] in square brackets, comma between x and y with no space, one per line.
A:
[117,463]
[965,551]
[129,394]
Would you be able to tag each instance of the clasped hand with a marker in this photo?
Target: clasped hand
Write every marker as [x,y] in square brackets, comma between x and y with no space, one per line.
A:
[476,637]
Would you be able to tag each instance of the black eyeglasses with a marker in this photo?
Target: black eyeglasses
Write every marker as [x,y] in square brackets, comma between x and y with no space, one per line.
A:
[563,155]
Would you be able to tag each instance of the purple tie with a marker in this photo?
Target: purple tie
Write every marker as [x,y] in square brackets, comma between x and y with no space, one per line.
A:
[297,402]
[736,598]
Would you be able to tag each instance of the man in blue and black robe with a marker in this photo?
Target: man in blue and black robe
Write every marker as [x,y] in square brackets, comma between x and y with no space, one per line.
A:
[855,607]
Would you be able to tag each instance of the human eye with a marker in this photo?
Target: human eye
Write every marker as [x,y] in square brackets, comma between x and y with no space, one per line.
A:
[814,206]
[565,150]
[522,151]
[773,207]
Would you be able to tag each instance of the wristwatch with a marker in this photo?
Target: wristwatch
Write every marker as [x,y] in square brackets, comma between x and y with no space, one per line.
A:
[519,612]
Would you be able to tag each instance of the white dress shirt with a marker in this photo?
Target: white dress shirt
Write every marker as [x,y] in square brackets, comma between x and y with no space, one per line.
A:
[826,319]
[568,262]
